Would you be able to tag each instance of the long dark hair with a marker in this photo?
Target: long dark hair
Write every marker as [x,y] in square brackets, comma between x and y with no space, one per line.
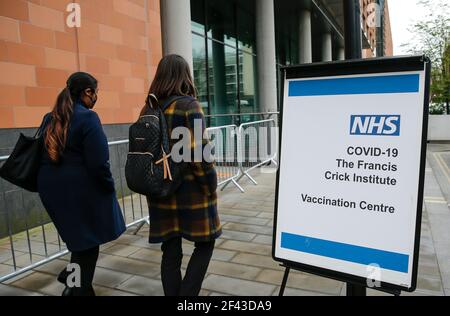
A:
[173,77]
[56,134]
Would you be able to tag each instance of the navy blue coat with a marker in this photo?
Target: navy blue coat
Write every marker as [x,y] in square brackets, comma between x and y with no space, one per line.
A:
[78,193]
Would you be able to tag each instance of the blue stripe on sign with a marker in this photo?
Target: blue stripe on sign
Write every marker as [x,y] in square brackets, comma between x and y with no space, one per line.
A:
[360,85]
[356,254]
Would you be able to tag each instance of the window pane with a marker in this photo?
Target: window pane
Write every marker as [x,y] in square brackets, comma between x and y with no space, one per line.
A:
[221,21]
[248,85]
[198,16]
[199,61]
[246,25]
[223,81]
[287,32]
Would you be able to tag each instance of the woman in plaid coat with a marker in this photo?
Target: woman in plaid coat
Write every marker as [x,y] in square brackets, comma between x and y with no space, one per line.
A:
[190,213]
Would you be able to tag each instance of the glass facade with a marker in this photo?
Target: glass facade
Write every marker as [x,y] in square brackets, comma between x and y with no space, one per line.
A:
[286,38]
[224,53]
[287,34]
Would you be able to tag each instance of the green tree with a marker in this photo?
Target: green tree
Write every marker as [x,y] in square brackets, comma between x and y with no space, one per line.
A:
[431,37]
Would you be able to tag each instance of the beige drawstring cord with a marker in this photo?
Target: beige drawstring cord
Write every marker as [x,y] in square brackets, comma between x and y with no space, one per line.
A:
[165,161]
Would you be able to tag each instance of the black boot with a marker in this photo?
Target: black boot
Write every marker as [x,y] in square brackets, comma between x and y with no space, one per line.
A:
[67,291]
[76,291]
[84,291]
[63,275]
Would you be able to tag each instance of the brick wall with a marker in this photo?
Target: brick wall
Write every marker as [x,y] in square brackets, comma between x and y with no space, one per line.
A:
[388,44]
[119,42]
[366,11]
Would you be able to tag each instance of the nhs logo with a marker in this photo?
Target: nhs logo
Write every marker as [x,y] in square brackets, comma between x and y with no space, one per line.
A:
[375,125]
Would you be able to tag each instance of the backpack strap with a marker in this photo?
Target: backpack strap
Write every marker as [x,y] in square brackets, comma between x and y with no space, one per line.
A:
[163,123]
[172,99]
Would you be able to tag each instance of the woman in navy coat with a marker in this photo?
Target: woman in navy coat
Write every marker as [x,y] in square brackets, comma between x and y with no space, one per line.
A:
[75,182]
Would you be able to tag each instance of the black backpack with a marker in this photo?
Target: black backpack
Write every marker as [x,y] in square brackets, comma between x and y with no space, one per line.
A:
[149,169]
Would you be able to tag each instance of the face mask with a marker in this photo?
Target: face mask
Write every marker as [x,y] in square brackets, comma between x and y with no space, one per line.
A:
[93,101]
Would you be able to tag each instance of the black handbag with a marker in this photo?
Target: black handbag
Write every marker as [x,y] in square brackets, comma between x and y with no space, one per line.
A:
[22,166]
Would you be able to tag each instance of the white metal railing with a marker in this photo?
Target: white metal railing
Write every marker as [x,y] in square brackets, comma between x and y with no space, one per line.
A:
[258,146]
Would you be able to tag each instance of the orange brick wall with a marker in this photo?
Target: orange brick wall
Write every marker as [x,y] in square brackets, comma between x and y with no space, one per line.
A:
[388,43]
[119,42]
[372,32]
[369,31]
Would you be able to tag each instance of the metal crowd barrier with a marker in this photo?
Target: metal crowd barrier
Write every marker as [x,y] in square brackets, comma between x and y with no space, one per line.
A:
[257,146]
[238,118]
[225,142]
[36,244]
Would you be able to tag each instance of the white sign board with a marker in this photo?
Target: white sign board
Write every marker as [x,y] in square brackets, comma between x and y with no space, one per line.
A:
[351,174]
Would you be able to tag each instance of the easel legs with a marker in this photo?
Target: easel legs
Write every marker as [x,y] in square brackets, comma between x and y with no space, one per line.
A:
[356,290]
[285,278]
[352,288]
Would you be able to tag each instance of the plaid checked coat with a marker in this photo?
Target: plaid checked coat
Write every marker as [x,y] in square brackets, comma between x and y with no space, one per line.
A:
[192,211]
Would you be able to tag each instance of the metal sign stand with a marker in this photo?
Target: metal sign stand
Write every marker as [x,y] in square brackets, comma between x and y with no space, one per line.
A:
[353,289]
[356,290]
